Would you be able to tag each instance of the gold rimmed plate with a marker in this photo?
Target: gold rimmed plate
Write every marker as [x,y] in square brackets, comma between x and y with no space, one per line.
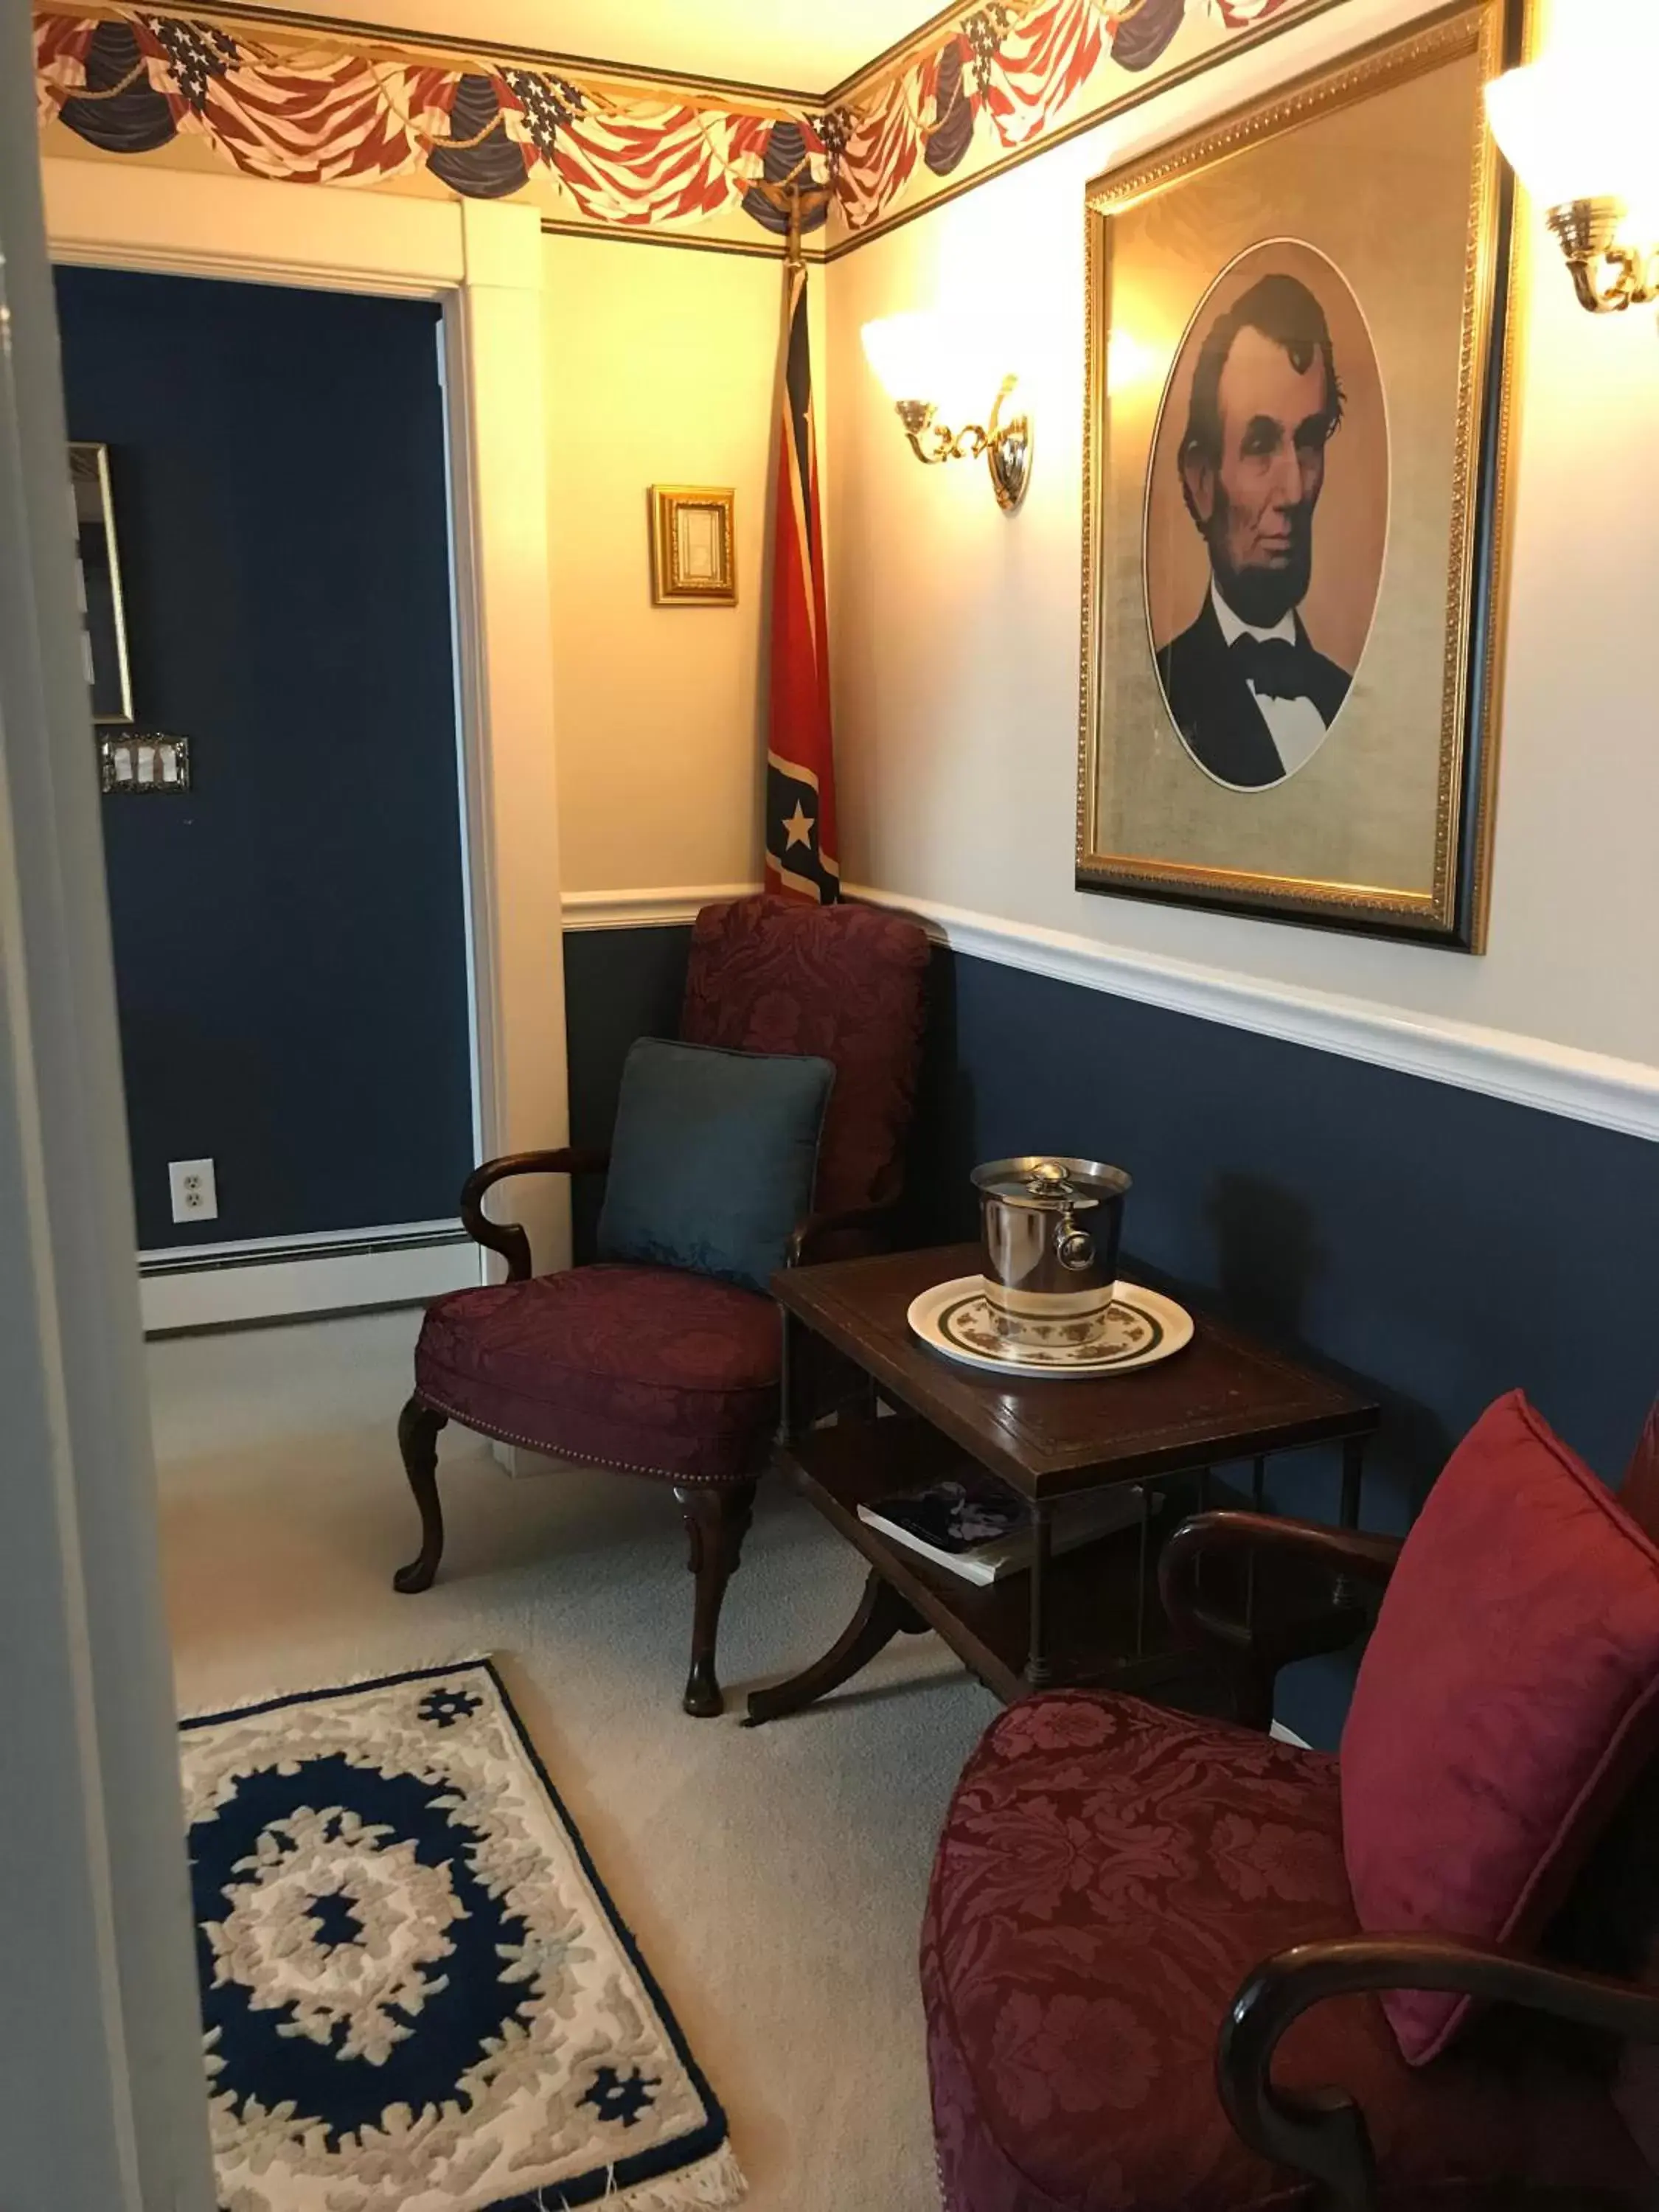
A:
[1142,1326]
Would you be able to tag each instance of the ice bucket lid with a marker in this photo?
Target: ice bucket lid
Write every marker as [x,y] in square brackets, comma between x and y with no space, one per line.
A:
[1050,1180]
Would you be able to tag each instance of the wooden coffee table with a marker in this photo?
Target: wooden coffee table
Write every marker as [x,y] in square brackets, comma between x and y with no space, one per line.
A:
[1084,1616]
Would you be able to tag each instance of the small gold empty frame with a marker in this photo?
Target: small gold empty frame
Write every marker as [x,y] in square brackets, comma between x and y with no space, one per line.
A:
[693,557]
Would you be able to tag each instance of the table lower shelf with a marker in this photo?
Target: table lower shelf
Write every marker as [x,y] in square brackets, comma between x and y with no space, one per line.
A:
[1103,1623]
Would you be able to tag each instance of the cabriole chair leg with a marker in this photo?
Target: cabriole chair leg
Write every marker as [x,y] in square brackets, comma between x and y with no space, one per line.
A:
[418,1440]
[716,1521]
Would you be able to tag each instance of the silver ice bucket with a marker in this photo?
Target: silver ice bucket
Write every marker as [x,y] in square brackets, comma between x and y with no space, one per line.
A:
[1049,1230]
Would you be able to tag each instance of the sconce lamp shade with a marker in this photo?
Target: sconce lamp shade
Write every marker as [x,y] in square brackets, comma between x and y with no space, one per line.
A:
[952,360]
[904,351]
[1535,115]
[1578,124]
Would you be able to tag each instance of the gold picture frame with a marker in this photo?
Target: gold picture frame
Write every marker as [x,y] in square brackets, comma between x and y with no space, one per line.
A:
[1406,270]
[693,554]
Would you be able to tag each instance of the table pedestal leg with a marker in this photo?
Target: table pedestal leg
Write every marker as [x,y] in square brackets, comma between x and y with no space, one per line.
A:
[1039,1666]
[1354,1474]
[882,1615]
[1343,1592]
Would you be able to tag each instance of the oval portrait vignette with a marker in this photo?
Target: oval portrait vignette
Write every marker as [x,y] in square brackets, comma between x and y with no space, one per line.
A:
[1267,514]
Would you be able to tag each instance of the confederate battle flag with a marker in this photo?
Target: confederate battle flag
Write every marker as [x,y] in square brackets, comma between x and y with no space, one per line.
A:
[802,859]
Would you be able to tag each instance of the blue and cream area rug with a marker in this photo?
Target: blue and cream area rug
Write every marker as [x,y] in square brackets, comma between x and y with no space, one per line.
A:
[417,1996]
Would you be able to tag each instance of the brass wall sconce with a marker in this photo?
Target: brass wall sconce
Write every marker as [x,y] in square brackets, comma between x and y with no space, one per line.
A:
[1608,274]
[914,353]
[1577,130]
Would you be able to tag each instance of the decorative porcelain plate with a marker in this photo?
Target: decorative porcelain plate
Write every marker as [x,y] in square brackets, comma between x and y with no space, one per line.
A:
[1142,1326]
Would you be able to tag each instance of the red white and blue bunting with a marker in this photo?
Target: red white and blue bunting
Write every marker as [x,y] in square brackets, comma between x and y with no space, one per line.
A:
[279,102]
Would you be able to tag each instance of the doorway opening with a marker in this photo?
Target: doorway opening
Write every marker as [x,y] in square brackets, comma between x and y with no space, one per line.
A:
[289,915]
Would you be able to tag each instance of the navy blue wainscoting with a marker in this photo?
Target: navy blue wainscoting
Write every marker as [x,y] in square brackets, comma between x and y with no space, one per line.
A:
[290,938]
[1443,1245]
[619,984]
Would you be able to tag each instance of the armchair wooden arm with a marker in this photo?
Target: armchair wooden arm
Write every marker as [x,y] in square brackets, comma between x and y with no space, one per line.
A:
[506,1237]
[509,1239]
[1268,1636]
[1324,2134]
[871,1225]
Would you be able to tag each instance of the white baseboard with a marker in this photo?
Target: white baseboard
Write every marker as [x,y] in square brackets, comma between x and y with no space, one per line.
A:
[525,1466]
[209,1286]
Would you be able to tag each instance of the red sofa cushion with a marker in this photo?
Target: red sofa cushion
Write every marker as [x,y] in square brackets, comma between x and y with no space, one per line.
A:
[642,1368]
[1623,1935]
[1508,1698]
[846,982]
[1108,1874]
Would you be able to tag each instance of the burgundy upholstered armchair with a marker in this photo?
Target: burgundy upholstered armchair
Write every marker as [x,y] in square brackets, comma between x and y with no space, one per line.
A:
[1148,1988]
[652,1370]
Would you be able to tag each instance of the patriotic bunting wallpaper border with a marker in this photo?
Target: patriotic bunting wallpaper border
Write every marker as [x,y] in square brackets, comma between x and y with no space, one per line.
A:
[276,100]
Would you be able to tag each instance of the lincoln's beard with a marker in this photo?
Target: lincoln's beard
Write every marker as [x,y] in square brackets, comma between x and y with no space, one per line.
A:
[1260,594]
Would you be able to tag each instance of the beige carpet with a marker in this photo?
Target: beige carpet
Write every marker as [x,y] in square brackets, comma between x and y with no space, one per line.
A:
[774,1876]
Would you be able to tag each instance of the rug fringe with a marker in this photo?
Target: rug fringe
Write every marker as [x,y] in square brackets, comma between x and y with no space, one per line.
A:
[712,2184]
[249,1699]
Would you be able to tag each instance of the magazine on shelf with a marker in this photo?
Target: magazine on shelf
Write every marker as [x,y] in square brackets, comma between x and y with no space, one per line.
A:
[980,1530]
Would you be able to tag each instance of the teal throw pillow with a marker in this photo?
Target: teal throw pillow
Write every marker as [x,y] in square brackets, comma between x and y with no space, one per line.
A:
[714,1159]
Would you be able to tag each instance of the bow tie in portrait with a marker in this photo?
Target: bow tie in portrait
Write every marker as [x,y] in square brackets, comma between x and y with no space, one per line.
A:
[1277,669]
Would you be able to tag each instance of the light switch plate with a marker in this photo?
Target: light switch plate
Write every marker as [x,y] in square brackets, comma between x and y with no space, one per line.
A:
[195,1190]
[144,760]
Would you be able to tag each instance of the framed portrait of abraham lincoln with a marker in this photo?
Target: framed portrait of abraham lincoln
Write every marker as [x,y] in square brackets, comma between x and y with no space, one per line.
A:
[1296,498]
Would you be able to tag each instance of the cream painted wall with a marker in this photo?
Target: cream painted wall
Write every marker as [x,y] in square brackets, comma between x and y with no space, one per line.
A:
[956,629]
[661,368]
[796,43]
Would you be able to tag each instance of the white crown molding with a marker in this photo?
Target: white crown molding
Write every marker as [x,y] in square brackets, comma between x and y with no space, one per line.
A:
[647,910]
[1528,1071]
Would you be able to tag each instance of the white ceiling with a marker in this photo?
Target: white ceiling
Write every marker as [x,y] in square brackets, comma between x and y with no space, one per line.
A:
[801,44]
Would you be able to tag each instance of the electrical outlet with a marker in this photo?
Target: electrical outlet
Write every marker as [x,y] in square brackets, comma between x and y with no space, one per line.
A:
[195,1193]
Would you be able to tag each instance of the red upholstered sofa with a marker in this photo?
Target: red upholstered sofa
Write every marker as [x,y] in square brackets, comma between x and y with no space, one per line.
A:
[1147,1989]
[652,1371]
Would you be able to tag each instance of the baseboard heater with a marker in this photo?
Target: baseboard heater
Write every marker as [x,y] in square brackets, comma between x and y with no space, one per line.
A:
[277,1277]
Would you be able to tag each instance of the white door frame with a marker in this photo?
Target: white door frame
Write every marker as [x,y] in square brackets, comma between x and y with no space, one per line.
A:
[102,2096]
[481,260]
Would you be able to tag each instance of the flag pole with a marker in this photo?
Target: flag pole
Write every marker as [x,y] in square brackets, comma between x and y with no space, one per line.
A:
[802,848]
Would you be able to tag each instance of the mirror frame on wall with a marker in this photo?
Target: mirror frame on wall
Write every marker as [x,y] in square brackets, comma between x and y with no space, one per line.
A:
[103,606]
